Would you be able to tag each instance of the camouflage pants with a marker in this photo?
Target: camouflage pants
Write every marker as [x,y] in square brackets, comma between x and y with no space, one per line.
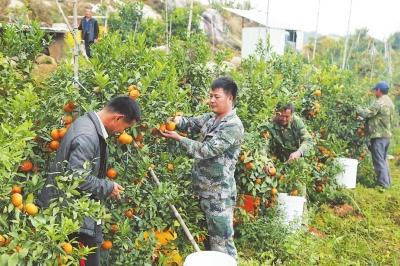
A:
[219,216]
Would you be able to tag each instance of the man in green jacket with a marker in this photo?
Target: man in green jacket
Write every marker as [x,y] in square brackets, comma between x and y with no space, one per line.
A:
[288,135]
[379,118]
[215,155]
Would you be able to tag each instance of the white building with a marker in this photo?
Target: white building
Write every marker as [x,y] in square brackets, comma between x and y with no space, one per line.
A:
[283,32]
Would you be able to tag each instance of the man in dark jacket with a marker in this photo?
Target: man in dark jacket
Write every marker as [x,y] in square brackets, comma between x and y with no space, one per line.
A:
[90,30]
[85,142]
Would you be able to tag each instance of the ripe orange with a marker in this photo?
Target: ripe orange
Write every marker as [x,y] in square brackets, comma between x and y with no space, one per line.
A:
[319,188]
[272,171]
[2,241]
[249,165]
[16,199]
[162,127]
[129,213]
[31,209]
[62,132]
[26,166]
[265,134]
[282,178]
[170,126]
[107,244]
[114,228]
[200,238]
[112,173]
[125,138]
[16,189]
[274,191]
[67,247]
[134,94]
[242,158]
[55,134]
[54,145]
[258,181]
[68,119]
[69,107]
[294,192]
[20,207]
[170,167]
[317,93]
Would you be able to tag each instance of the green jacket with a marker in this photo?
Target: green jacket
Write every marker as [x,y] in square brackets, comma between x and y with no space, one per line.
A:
[215,154]
[379,118]
[284,141]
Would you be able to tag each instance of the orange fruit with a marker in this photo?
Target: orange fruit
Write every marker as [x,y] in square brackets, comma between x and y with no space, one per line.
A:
[170,167]
[274,191]
[200,238]
[67,247]
[272,171]
[54,145]
[20,207]
[170,126]
[112,173]
[31,209]
[69,107]
[26,166]
[55,134]
[294,192]
[3,241]
[129,213]
[107,244]
[317,93]
[265,134]
[162,127]
[319,188]
[125,138]
[62,132]
[16,199]
[114,228]
[282,178]
[258,181]
[242,158]
[68,119]
[16,189]
[134,94]
[249,165]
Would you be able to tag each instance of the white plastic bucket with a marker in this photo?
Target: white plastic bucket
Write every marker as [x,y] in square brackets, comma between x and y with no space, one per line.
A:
[348,177]
[209,258]
[291,209]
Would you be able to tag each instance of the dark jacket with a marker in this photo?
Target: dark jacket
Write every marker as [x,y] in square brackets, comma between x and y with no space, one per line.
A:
[89,34]
[84,142]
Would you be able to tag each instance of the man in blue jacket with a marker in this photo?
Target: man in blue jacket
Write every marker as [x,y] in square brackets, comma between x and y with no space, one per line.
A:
[90,30]
[85,141]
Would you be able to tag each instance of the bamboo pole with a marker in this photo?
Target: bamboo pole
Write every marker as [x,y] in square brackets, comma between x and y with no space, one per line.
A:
[347,37]
[177,215]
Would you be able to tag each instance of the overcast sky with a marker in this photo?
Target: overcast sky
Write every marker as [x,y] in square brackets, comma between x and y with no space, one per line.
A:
[381,17]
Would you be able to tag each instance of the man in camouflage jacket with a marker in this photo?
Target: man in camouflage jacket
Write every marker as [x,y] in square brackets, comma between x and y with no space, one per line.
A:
[288,136]
[215,156]
[379,119]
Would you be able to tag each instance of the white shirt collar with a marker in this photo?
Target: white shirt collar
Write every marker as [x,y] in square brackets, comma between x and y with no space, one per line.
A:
[103,129]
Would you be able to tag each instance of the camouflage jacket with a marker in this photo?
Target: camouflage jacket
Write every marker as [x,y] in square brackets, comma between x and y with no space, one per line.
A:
[215,154]
[379,117]
[285,140]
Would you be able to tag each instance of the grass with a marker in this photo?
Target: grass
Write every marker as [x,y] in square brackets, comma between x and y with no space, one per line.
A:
[369,234]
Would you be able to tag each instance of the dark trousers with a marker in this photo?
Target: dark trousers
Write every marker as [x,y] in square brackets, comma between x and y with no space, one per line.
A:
[87,47]
[379,149]
[92,259]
